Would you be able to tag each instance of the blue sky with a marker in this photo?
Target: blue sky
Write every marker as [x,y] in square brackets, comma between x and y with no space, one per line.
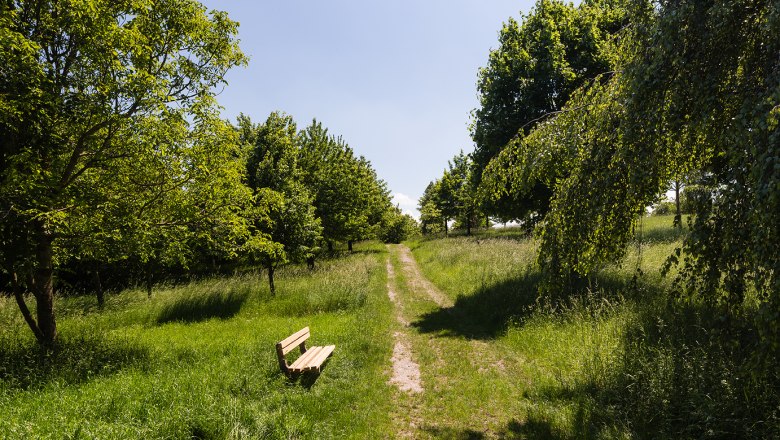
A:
[396,79]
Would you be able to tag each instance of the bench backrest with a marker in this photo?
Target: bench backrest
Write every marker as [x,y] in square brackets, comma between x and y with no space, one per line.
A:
[293,341]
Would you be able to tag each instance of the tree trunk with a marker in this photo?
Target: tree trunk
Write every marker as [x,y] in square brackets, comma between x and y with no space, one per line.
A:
[677,215]
[446,229]
[349,245]
[19,295]
[310,262]
[99,288]
[330,246]
[43,290]
[271,279]
[149,281]
[468,225]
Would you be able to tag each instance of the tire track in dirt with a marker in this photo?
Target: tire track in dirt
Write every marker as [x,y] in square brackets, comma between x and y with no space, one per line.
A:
[418,282]
[406,372]
[471,352]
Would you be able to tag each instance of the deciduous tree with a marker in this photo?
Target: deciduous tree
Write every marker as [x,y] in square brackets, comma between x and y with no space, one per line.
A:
[99,102]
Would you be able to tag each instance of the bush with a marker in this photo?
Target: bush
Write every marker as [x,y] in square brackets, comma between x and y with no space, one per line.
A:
[397,227]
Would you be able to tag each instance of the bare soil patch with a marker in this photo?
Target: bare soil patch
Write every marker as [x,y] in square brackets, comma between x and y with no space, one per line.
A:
[406,372]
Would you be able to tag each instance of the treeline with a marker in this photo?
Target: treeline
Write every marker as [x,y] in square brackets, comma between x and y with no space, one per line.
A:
[591,113]
[115,165]
[309,190]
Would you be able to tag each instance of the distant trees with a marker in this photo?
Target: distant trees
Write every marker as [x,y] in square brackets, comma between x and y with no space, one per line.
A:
[453,196]
[349,198]
[108,134]
[308,187]
[431,218]
[397,226]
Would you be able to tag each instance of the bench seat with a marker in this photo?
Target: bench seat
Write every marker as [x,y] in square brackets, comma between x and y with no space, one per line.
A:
[310,360]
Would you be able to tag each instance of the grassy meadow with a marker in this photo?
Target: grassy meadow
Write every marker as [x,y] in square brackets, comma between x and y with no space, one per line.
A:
[198,360]
[622,359]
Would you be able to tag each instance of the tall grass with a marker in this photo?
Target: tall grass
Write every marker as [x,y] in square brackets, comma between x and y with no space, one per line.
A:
[198,360]
[625,358]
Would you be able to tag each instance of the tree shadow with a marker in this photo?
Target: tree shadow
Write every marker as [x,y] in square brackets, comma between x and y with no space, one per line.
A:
[686,371]
[694,370]
[532,428]
[28,366]
[486,313]
[196,308]
[449,433]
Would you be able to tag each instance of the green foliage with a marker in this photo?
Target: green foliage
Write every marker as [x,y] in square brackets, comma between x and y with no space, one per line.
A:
[348,196]
[284,225]
[111,144]
[397,227]
[309,186]
[648,126]
[431,217]
[538,64]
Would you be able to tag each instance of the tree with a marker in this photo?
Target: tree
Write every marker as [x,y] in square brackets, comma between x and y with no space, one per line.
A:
[453,196]
[397,226]
[285,228]
[539,63]
[465,192]
[348,196]
[97,100]
[430,217]
[626,138]
[284,225]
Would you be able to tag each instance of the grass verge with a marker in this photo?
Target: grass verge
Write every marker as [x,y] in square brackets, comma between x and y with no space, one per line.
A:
[198,360]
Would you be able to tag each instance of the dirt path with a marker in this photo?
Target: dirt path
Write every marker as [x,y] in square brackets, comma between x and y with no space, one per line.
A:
[417,280]
[426,412]
[406,372]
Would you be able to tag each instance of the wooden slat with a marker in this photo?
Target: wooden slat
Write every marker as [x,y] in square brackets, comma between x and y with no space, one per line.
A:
[292,342]
[315,363]
[302,362]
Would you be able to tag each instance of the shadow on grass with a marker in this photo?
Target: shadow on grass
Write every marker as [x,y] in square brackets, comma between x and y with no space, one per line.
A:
[530,429]
[448,433]
[692,371]
[195,308]
[77,360]
[686,371]
[486,313]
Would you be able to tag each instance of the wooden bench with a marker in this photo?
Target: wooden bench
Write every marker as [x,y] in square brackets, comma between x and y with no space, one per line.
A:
[309,360]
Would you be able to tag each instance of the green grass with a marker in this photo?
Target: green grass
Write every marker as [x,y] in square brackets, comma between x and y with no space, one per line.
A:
[622,359]
[198,360]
